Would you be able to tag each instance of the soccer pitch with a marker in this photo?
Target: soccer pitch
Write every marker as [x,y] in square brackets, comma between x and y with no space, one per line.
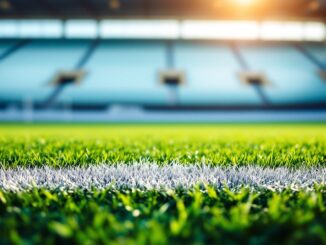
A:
[163,184]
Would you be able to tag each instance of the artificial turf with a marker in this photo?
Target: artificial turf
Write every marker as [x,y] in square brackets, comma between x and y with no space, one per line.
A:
[78,145]
[131,215]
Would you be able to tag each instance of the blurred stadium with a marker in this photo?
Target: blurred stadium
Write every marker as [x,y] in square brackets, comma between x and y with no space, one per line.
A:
[213,122]
[216,60]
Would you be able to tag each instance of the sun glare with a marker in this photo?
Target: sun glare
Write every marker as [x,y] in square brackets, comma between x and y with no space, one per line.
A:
[244,2]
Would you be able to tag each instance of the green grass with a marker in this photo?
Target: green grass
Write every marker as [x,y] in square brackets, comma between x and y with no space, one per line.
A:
[196,216]
[156,217]
[62,145]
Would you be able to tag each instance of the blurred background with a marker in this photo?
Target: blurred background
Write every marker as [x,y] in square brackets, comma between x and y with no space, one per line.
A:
[163,60]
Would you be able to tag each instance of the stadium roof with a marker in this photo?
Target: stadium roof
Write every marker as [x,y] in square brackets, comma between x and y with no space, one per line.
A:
[216,9]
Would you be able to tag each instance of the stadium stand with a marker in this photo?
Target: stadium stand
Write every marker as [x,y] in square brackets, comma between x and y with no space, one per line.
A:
[4,47]
[126,72]
[27,72]
[294,78]
[162,56]
[318,51]
[121,72]
[211,72]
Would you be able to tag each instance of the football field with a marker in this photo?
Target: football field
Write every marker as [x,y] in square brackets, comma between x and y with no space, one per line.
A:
[163,183]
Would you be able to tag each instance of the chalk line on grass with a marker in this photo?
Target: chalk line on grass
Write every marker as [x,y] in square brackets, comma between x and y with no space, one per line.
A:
[152,176]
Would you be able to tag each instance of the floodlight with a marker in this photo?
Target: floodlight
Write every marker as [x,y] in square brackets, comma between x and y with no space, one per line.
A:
[247,30]
[81,29]
[148,29]
[287,31]
[314,31]
[40,29]
[8,28]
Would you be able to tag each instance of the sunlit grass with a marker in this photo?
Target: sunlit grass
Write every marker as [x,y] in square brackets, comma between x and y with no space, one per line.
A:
[202,215]
[62,145]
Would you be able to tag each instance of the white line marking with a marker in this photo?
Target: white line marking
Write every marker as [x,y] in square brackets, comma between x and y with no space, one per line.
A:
[151,176]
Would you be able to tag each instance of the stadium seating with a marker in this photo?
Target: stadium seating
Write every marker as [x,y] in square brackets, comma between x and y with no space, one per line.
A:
[126,72]
[5,45]
[318,51]
[294,78]
[26,73]
[121,72]
[211,72]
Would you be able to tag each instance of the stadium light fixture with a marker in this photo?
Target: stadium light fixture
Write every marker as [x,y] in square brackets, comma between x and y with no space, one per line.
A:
[29,28]
[165,29]
[314,31]
[148,29]
[81,29]
[246,30]
[286,31]
[271,31]
[8,28]
[40,29]
[292,31]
